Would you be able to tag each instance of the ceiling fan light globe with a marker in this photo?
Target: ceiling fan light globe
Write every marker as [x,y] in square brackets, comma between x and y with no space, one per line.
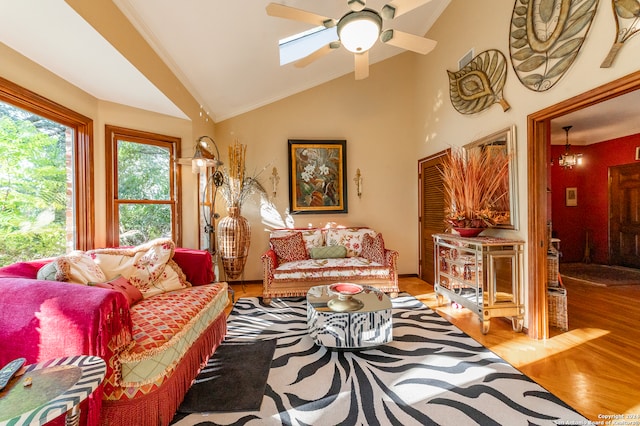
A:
[358,31]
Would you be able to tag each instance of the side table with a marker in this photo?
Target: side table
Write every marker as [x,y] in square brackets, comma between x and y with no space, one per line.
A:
[58,386]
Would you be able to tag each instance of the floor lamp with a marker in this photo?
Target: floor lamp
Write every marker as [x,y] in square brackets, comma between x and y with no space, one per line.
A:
[202,160]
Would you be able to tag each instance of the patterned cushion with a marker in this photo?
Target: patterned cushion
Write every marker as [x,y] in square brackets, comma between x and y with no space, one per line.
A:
[76,267]
[351,238]
[328,252]
[373,248]
[289,248]
[312,237]
[121,285]
[148,266]
[164,328]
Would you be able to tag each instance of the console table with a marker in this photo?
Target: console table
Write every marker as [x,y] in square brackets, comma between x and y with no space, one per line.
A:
[483,274]
[57,386]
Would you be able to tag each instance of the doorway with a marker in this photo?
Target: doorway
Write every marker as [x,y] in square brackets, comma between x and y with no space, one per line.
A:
[538,128]
[431,215]
[624,217]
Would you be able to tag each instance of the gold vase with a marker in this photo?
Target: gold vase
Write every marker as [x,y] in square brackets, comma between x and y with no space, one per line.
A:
[234,238]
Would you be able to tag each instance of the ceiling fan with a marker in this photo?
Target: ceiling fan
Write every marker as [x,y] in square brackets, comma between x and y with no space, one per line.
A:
[358,30]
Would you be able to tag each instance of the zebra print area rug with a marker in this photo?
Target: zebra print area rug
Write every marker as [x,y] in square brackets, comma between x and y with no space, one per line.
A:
[431,374]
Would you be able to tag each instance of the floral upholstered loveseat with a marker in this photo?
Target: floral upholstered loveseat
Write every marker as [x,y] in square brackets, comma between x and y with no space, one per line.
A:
[154,334]
[299,259]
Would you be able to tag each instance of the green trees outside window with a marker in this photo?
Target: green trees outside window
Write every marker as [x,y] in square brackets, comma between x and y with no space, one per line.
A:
[35,178]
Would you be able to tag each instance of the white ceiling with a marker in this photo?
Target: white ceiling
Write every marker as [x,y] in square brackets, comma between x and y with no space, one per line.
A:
[607,120]
[242,71]
[52,34]
[226,52]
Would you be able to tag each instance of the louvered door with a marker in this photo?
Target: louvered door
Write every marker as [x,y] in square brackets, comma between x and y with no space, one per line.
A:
[432,203]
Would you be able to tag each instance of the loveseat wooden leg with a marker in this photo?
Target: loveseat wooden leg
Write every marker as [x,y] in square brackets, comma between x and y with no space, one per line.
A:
[266,300]
[393,295]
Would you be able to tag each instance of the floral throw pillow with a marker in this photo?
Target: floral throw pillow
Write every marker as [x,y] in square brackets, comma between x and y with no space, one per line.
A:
[289,248]
[351,238]
[75,267]
[149,266]
[373,248]
[121,285]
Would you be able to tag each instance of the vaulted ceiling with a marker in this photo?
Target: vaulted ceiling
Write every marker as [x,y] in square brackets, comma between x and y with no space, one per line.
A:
[226,55]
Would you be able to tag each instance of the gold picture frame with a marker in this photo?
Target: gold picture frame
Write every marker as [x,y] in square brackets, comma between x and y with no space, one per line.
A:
[317,170]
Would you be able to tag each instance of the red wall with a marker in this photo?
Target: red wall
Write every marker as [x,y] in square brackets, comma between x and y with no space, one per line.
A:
[570,224]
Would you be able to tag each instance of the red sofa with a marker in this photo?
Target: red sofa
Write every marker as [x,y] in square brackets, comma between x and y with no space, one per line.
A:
[42,320]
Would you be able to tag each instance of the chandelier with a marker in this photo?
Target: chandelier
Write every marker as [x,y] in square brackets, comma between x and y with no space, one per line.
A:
[568,160]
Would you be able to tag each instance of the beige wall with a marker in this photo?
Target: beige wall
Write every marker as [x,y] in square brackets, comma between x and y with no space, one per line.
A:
[402,113]
[375,117]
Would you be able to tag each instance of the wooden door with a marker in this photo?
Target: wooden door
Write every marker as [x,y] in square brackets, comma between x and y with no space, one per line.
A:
[431,215]
[624,215]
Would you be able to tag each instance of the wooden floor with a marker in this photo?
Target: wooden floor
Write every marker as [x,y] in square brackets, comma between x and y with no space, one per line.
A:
[594,367]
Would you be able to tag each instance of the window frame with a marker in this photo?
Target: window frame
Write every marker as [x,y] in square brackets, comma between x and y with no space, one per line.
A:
[84,204]
[112,135]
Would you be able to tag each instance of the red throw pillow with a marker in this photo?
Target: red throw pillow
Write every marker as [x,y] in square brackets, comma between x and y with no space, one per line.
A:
[290,247]
[122,285]
[373,248]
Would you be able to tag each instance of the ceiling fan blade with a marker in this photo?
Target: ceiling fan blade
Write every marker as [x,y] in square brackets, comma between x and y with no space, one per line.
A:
[407,41]
[400,7]
[356,5]
[287,12]
[301,63]
[362,65]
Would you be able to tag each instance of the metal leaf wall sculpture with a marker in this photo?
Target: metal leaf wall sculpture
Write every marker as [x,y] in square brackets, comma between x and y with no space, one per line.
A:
[545,38]
[479,84]
[627,13]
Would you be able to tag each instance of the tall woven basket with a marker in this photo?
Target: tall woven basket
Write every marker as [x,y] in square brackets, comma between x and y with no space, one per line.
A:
[234,238]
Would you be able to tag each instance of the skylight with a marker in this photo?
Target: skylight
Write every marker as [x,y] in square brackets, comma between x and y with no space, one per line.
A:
[303,44]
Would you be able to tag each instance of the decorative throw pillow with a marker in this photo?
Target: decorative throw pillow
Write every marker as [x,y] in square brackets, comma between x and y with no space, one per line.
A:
[328,252]
[122,285]
[48,272]
[75,267]
[351,238]
[373,248]
[312,237]
[145,266]
[289,248]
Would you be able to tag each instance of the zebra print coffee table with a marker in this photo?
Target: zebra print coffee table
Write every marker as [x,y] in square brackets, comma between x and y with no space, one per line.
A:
[368,325]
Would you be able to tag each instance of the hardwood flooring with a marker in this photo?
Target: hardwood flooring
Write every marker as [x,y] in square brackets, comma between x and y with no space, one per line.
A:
[594,367]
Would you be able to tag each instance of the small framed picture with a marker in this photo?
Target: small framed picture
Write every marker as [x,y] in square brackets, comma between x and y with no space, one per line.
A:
[571,199]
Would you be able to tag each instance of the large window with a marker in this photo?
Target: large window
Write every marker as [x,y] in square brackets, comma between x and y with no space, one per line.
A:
[46,202]
[142,187]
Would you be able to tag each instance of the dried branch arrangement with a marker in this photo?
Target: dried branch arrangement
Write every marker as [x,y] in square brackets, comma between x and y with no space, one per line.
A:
[237,187]
[474,184]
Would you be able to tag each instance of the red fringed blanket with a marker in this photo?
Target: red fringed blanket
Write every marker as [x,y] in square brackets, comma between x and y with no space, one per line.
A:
[42,320]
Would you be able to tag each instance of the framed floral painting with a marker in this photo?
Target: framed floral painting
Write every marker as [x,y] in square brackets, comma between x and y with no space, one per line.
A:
[317,172]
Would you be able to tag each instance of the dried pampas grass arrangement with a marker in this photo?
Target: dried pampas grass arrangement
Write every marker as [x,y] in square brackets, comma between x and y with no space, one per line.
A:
[474,183]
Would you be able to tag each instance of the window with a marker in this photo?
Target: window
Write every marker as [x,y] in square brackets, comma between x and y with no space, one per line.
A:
[142,187]
[46,185]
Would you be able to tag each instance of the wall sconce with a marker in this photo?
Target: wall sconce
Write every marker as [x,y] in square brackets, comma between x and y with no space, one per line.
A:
[203,157]
[568,160]
[358,181]
[274,178]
